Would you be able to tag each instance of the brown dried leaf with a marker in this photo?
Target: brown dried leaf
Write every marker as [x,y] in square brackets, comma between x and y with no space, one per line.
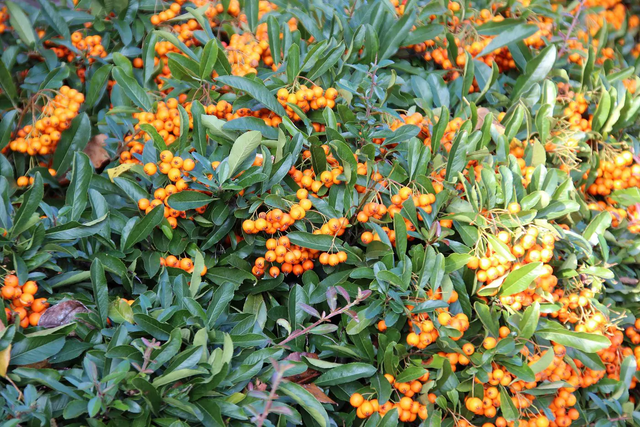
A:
[318,394]
[61,314]
[482,113]
[307,375]
[96,152]
[39,365]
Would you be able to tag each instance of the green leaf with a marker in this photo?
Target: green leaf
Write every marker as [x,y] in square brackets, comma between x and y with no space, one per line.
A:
[159,330]
[520,279]
[508,35]
[273,30]
[509,410]
[199,132]
[148,55]
[391,40]
[320,242]
[6,127]
[98,84]
[132,89]
[500,248]
[400,229]
[221,298]
[78,190]
[34,349]
[187,199]
[601,114]
[543,363]
[293,63]
[7,85]
[244,124]
[307,401]
[158,142]
[529,321]
[144,227]
[589,343]
[32,198]
[411,373]
[21,24]
[256,89]
[596,227]
[100,290]
[242,148]
[209,59]
[120,311]
[72,140]
[54,18]
[345,373]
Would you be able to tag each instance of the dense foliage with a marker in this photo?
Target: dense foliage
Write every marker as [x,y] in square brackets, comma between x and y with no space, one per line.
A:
[320,213]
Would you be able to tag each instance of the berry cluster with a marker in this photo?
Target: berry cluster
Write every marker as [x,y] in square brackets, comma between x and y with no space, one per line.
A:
[408,408]
[306,99]
[23,301]
[89,47]
[177,170]
[185,264]
[41,137]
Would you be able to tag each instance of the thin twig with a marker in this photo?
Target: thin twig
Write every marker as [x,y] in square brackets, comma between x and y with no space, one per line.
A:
[279,375]
[299,332]
[574,22]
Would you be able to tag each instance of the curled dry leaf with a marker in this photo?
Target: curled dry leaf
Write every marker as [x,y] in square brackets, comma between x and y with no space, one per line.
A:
[307,375]
[62,314]
[318,393]
[482,113]
[96,151]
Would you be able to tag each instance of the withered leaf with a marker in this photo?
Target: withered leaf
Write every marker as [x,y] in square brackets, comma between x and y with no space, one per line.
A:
[62,314]
[318,393]
[307,375]
[96,151]
[482,113]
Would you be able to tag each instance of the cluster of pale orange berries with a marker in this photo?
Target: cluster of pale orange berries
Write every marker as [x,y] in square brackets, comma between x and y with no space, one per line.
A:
[576,308]
[575,109]
[177,170]
[165,15]
[23,301]
[185,264]
[41,137]
[276,220]
[305,179]
[89,46]
[292,258]
[531,247]
[408,408]
[245,52]
[618,174]
[166,120]
[307,99]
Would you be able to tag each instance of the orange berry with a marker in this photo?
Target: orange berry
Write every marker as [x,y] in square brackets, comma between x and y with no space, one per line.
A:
[30,287]
[186,264]
[356,400]
[489,343]
[8,292]
[150,169]
[11,280]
